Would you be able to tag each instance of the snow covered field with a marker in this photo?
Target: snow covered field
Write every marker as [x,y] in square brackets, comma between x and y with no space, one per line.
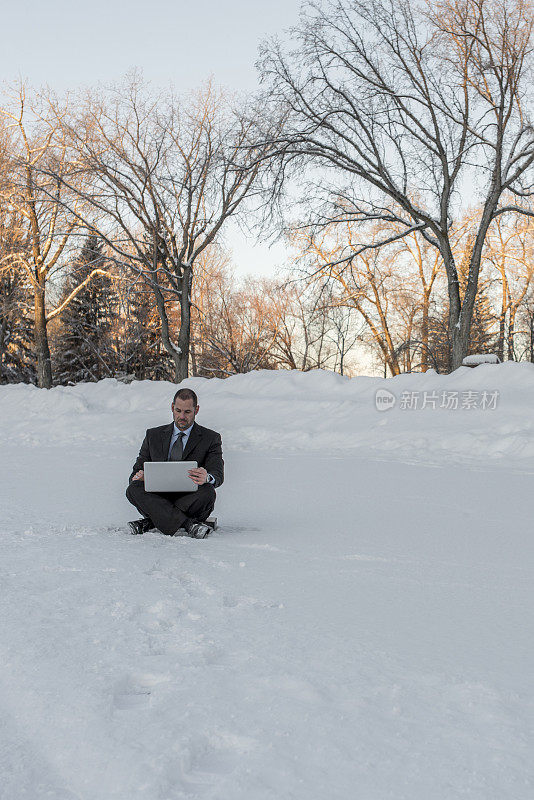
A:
[360,627]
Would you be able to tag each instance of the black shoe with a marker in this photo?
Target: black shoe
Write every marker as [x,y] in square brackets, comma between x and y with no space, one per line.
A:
[197,530]
[139,526]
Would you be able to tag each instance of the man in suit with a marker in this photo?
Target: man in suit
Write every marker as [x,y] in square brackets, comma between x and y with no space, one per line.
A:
[178,513]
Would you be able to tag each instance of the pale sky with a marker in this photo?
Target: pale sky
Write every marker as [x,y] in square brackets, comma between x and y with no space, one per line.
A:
[71,44]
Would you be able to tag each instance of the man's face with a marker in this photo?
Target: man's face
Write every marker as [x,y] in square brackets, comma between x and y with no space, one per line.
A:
[184,413]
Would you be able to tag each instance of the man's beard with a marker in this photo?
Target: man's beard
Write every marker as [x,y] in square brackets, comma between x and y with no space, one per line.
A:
[183,425]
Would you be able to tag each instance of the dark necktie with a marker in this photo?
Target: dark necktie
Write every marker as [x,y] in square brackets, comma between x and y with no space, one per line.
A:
[177,450]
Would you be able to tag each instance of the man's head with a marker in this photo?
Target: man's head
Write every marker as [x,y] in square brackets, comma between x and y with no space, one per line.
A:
[184,408]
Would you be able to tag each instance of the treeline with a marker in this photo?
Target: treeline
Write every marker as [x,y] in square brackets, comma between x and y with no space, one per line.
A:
[111,328]
[399,291]
[389,309]
[371,133]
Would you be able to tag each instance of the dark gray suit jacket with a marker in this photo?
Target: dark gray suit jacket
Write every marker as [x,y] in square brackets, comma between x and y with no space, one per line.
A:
[203,446]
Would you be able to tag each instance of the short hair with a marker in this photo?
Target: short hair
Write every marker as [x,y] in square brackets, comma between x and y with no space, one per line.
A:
[186,394]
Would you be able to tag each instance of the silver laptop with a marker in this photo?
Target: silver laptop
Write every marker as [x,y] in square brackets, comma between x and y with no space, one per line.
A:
[169,476]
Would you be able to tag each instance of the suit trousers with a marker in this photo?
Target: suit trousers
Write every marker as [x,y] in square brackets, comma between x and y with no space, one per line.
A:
[169,510]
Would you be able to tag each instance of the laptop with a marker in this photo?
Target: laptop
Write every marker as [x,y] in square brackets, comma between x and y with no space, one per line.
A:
[169,476]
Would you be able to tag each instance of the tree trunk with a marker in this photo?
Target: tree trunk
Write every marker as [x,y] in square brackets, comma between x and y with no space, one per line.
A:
[461,327]
[184,336]
[168,344]
[165,335]
[342,356]
[408,349]
[42,350]
[194,367]
[424,333]
[3,332]
[502,316]
[511,334]
[460,342]
[459,320]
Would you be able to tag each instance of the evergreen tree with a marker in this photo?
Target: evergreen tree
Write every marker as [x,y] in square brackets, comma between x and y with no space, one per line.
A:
[17,360]
[84,348]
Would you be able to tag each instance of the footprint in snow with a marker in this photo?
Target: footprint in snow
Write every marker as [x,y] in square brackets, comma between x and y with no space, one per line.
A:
[205,762]
[134,690]
[159,618]
[155,625]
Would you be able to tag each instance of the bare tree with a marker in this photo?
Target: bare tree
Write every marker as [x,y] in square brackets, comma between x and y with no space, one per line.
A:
[166,176]
[370,283]
[408,104]
[33,188]
[303,325]
[238,327]
[343,332]
[508,251]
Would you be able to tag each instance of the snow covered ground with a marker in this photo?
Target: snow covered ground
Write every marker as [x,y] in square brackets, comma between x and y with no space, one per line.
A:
[360,627]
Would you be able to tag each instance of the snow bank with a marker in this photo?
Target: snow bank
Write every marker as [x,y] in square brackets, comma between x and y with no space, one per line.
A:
[472,416]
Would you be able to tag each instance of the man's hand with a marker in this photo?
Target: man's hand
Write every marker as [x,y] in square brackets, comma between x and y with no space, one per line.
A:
[198,475]
[139,476]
